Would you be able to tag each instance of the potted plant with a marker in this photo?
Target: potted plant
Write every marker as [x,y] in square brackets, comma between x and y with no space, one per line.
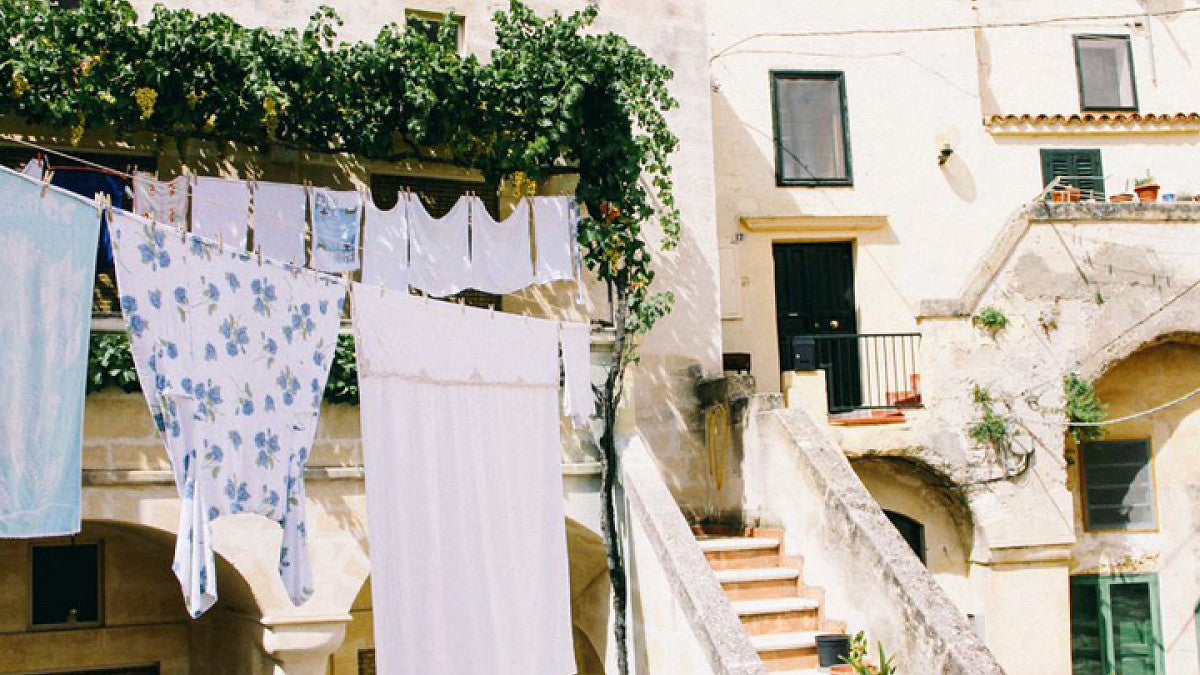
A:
[1146,188]
[1121,198]
[1067,193]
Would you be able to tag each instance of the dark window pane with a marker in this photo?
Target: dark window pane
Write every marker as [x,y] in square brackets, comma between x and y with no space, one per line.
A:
[1105,73]
[811,129]
[1087,648]
[1119,485]
[66,584]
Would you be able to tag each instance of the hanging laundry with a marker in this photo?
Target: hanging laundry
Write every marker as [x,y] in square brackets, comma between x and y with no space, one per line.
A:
[579,402]
[34,168]
[221,210]
[501,253]
[460,430]
[279,222]
[385,246]
[50,246]
[233,357]
[87,182]
[336,217]
[554,222]
[440,249]
[163,201]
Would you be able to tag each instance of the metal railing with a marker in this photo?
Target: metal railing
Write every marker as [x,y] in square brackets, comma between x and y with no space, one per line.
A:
[864,371]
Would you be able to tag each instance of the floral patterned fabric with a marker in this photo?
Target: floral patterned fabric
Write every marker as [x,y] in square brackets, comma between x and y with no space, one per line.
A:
[233,356]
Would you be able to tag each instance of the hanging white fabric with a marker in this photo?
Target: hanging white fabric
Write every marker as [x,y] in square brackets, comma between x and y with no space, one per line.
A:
[279,222]
[554,220]
[579,402]
[440,260]
[385,245]
[501,252]
[336,223]
[221,210]
[163,201]
[34,168]
[461,444]
[233,357]
[49,241]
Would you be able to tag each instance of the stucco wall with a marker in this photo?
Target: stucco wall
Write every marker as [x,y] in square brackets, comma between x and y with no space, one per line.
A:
[1147,379]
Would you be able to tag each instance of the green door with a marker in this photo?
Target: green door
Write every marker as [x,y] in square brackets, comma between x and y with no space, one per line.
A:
[1115,626]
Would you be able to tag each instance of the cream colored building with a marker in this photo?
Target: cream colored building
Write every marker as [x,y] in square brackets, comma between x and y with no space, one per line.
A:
[879,172]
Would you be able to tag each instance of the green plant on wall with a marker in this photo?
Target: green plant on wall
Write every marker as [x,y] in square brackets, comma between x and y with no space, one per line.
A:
[110,364]
[1083,407]
[859,659]
[990,319]
[991,429]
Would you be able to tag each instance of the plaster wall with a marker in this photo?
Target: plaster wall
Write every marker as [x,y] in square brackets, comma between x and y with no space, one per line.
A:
[1147,379]
[907,89]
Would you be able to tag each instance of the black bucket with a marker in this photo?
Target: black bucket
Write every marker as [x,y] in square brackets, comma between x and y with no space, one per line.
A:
[832,650]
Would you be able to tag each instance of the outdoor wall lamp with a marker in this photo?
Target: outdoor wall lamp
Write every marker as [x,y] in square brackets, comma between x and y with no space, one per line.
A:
[944,153]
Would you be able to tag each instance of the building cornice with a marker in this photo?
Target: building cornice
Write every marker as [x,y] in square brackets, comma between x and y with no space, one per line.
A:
[803,224]
[1092,123]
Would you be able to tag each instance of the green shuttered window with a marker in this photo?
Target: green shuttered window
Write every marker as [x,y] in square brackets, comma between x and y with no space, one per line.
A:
[1118,486]
[811,139]
[1116,626]
[1079,168]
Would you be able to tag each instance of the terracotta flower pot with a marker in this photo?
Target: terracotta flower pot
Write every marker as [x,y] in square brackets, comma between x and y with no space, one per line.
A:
[1067,194]
[841,670]
[1121,198]
[1147,193]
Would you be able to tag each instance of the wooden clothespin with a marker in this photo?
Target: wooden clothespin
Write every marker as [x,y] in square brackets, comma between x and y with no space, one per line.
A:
[221,243]
[46,178]
[259,256]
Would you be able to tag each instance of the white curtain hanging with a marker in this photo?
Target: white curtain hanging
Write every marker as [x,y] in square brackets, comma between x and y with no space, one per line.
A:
[464,489]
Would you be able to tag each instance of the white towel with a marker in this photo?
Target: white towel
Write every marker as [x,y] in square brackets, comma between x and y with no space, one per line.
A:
[501,255]
[279,223]
[460,431]
[554,220]
[385,246]
[336,219]
[440,261]
[34,168]
[221,210]
[161,201]
[579,401]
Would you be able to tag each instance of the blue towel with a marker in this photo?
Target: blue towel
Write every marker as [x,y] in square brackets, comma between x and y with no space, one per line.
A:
[49,243]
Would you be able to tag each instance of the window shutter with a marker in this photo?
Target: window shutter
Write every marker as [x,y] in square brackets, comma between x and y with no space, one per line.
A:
[1083,167]
[1087,645]
[1116,625]
[1133,630]
[1118,486]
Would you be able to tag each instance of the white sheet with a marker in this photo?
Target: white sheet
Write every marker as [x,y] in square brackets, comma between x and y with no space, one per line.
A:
[164,201]
[464,493]
[579,402]
[501,253]
[554,221]
[279,222]
[440,248]
[221,210]
[385,246]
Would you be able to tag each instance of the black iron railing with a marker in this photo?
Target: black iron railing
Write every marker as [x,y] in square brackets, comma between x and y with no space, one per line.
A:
[864,371]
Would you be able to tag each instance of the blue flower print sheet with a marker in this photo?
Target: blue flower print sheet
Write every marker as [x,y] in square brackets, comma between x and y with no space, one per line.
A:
[49,244]
[236,355]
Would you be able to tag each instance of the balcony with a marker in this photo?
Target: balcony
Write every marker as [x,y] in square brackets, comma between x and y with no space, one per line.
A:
[863,371]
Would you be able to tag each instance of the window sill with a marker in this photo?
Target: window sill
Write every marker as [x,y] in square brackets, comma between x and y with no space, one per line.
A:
[1088,123]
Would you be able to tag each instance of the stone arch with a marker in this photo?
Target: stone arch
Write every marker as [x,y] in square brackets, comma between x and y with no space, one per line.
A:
[919,492]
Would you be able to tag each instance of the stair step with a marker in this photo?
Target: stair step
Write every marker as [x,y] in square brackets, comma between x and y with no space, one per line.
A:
[725,544]
[774,606]
[780,642]
[745,576]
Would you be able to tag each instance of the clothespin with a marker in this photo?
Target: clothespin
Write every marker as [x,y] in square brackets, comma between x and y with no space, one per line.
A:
[109,205]
[221,243]
[46,178]
[182,233]
[260,256]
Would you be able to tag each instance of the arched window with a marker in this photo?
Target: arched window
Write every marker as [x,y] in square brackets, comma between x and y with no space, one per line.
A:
[912,531]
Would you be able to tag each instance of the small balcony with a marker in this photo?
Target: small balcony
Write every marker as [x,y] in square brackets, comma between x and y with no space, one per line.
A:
[863,371]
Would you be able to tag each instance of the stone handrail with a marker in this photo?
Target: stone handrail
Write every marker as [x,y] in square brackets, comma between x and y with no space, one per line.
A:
[800,479]
[699,631]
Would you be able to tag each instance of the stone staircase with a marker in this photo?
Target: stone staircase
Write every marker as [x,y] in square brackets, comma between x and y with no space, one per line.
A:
[766,589]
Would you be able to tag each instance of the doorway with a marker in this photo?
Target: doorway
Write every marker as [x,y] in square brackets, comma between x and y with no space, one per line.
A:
[817,318]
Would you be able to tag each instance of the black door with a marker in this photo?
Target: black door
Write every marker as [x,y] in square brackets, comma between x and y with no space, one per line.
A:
[815,313]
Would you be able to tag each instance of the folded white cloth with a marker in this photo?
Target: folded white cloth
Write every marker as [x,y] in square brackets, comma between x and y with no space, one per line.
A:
[440,248]
[161,201]
[336,218]
[554,220]
[501,253]
[279,223]
[221,210]
[460,430]
[385,246]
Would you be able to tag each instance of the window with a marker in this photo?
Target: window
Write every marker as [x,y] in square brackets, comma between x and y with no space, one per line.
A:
[1115,625]
[66,585]
[1077,168]
[430,23]
[1118,486]
[1105,68]
[911,530]
[811,144]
